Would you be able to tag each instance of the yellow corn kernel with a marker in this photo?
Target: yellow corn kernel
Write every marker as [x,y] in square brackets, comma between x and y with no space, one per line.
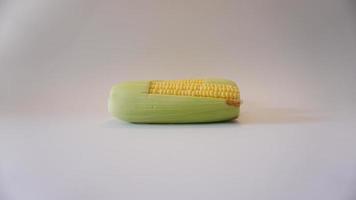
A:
[198,88]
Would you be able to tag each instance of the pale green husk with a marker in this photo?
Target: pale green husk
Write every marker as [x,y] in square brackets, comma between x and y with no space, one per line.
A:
[131,102]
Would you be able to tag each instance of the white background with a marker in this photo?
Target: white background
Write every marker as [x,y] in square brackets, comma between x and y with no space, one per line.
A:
[295,63]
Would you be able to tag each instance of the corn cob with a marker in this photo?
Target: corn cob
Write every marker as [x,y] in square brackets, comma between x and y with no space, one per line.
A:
[175,101]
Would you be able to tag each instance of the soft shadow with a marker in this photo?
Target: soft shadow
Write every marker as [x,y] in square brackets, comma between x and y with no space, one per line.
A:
[252,113]
[258,114]
[115,123]
[352,7]
[352,4]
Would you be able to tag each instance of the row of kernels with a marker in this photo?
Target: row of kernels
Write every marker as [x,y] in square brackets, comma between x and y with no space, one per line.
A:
[175,86]
[202,93]
[193,87]
[179,81]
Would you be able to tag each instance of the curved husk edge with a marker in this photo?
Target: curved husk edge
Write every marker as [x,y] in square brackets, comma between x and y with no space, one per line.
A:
[130,102]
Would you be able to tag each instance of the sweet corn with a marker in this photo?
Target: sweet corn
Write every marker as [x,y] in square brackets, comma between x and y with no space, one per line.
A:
[175,101]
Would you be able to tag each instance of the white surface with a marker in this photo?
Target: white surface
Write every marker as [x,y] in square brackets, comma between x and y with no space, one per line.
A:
[294,61]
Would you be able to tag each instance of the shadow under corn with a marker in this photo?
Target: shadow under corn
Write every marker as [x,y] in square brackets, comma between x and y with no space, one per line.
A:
[251,114]
[115,123]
